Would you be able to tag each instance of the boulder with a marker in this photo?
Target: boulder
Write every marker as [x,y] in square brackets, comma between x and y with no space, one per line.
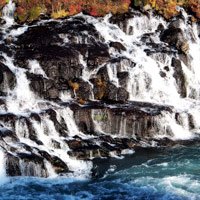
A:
[118,46]
[175,37]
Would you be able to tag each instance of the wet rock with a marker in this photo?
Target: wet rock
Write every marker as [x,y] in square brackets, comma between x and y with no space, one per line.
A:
[147,38]
[118,46]
[111,92]
[35,116]
[12,165]
[7,135]
[162,74]
[83,149]
[122,95]
[32,165]
[7,78]
[62,129]
[53,94]
[97,55]
[103,74]
[37,84]
[9,40]
[55,144]
[107,146]
[38,36]
[122,21]
[75,144]
[8,118]
[123,78]
[2,21]
[83,118]
[166,68]
[131,119]
[59,166]
[27,131]
[81,89]
[160,27]
[175,37]
[179,77]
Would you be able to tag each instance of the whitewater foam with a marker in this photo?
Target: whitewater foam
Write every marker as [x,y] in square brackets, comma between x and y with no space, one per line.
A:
[3,178]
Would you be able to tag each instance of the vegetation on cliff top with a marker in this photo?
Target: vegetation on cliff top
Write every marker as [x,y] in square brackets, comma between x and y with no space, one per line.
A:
[169,8]
[30,10]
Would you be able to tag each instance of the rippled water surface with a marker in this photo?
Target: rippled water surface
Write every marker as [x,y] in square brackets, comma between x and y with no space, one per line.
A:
[147,174]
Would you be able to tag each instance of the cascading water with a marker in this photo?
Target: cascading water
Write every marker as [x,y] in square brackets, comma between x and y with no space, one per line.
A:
[2,168]
[39,120]
[8,13]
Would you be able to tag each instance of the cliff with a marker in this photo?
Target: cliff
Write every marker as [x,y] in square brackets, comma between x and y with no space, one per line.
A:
[90,87]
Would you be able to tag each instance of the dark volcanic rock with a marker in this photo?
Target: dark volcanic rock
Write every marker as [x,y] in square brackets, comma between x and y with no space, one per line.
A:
[174,36]
[179,77]
[7,78]
[97,55]
[81,88]
[118,46]
[131,120]
[123,78]
[12,165]
[59,166]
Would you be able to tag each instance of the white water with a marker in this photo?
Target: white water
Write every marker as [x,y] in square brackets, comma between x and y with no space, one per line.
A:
[8,13]
[3,178]
[21,99]
[35,68]
[144,84]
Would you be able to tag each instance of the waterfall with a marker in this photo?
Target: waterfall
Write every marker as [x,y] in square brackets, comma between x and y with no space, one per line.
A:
[2,168]
[8,13]
[90,87]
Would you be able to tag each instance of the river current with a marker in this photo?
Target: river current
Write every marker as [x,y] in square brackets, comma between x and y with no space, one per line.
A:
[160,174]
[171,173]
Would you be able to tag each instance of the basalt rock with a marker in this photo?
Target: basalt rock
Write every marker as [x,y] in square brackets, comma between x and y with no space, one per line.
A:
[81,89]
[7,78]
[179,77]
[130,120]
[97,55]
[118,46]
[122,21]
[87,149]
[174,36]
[13,166]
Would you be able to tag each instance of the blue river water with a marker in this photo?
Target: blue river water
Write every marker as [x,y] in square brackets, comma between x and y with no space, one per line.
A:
[171,174]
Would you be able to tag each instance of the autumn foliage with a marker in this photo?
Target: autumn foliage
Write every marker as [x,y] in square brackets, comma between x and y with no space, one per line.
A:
[29,10]
[2,3]
[168,8]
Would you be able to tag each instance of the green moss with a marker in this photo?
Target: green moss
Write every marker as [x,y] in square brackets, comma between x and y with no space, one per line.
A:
[23,17]
[100,117]
[35,12]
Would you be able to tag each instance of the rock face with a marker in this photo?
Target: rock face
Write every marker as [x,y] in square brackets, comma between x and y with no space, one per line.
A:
[7,78]
[174,36]
[81,88]
[62,63]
